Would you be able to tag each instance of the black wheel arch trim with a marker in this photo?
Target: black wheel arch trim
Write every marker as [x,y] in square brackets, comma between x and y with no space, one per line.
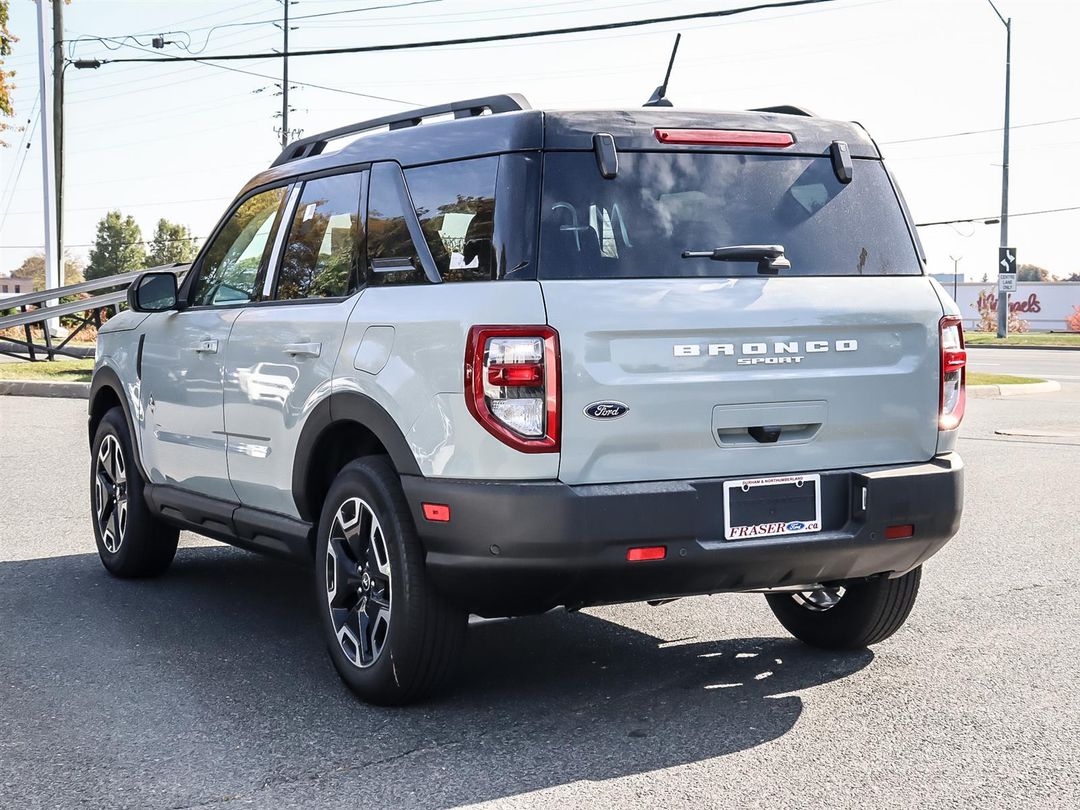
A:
[106,378]
[347,406]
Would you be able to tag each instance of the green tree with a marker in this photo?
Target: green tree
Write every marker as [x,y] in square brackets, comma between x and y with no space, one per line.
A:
[34,268]
[117,248]
[1032,272]
[171,243]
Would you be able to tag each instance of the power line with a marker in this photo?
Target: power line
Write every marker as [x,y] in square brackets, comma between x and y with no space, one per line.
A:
[990,220]
[401,46]
[120,41]
[23,141]
[204,61]
[983,131]
[18,174]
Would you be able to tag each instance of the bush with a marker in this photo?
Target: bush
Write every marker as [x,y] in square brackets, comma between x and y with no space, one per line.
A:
[1074,320]
[988,318]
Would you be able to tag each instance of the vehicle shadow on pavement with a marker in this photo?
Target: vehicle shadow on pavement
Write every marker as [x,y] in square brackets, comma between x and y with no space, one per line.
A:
[212,683]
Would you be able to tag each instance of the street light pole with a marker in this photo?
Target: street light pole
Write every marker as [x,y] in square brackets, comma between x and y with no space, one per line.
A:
[955,273]
[58,127]
[1003,297]
[53,273]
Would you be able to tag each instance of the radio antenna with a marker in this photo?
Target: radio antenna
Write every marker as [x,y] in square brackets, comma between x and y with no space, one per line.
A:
[659,96]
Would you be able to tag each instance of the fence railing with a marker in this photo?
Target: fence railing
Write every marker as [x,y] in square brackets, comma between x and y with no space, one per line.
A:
[89,311]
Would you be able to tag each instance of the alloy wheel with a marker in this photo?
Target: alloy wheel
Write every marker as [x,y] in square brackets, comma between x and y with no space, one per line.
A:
[110,494]
[358,582]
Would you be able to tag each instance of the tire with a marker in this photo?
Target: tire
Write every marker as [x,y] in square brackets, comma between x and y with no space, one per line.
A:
[851,618]
[131,541]
[392,638]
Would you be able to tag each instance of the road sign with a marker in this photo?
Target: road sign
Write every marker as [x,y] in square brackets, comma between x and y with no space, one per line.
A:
[1007,260]
[1006,269]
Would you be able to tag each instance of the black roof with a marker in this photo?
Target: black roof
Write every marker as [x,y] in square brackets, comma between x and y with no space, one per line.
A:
[512,127]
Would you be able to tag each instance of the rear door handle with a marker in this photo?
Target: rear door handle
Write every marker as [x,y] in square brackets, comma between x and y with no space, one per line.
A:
[304,349]
[205,347]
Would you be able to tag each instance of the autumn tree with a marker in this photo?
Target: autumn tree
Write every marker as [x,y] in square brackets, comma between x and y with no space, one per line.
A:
[34,268]
[6,40]
[117,247]
[171,243]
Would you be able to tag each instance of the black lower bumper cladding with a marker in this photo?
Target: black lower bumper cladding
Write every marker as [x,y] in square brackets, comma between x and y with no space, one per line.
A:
[523,547]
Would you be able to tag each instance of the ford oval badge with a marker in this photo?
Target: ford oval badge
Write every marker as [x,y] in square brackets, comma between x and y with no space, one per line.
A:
[606,410]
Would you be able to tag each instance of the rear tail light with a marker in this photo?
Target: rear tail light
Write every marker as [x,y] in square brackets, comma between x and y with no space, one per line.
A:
[725,137]
[953,373]
[512,385]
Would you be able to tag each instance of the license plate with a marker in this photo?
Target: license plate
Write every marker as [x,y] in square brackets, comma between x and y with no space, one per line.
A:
[770,507]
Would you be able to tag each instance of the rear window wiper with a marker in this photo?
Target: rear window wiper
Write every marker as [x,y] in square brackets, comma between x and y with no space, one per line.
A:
[770,258]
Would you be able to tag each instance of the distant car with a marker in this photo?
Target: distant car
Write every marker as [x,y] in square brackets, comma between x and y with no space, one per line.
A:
[522,359]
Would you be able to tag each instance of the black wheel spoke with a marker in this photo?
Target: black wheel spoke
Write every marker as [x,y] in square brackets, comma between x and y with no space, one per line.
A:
[108,506]
[346,570]
[115,520]
[366,653]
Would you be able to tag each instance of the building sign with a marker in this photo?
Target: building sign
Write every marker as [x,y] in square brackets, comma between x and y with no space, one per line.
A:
[1046,306]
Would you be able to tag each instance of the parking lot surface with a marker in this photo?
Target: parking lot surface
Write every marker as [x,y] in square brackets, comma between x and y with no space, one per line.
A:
[210,687]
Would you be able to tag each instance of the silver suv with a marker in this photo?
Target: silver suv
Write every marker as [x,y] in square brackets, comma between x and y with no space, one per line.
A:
[517,359]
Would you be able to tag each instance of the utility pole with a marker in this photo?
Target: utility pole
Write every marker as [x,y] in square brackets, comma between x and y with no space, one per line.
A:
[285,76]
[58,126]
[1003,295]
[48,177]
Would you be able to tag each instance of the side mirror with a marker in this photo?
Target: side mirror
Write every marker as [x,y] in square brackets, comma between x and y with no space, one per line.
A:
[153,292]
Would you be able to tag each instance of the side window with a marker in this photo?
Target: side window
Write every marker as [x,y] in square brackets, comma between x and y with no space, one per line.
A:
[230,271]
[322,251]
[455,203]
[392,256]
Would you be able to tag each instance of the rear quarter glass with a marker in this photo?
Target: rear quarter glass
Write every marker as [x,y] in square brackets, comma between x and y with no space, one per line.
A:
[638,224]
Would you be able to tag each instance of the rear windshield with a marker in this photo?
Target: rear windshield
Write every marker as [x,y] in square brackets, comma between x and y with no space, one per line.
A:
[661,204]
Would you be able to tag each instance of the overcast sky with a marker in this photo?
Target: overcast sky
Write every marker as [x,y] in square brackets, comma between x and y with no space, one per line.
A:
[177,141]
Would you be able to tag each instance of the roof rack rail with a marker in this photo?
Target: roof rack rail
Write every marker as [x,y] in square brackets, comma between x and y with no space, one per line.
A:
[786,109]
[315,144]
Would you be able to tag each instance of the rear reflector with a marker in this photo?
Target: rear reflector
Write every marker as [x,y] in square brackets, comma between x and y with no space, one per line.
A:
[437,512]
[646,553]
[725,137]
[899,532]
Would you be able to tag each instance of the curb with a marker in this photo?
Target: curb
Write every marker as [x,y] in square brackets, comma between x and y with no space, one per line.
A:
[987,391]
[1025,348]
[44,388]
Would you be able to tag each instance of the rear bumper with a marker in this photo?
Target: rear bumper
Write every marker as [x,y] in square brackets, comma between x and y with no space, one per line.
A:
[525,547]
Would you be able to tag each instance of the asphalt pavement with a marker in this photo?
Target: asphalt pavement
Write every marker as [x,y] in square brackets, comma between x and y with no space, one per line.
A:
[209,686]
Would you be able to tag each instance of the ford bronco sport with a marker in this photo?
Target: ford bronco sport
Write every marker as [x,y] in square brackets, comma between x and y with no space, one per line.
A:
[517,359]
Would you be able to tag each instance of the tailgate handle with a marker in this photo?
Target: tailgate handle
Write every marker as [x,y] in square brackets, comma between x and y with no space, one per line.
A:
[765,434]
[775,423]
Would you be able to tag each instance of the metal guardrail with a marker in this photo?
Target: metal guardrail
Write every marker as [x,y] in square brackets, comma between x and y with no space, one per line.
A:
[93,306]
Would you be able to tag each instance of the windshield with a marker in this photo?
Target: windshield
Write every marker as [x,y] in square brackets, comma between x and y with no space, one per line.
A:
[664,203]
